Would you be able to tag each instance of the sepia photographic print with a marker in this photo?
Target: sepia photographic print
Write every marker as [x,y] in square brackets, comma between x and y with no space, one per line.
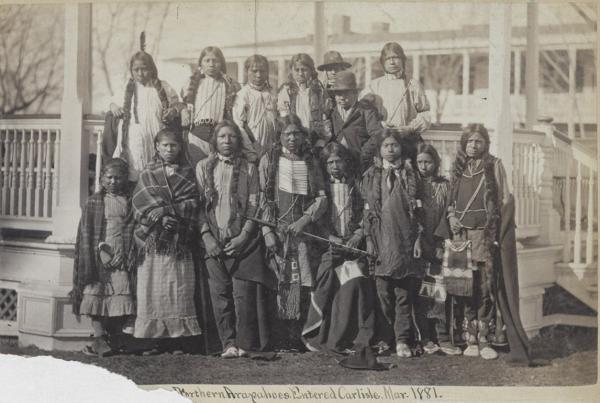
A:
[262,201]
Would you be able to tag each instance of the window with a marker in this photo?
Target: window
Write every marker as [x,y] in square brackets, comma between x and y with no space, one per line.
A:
[554,71]
[585,71]
[478,72]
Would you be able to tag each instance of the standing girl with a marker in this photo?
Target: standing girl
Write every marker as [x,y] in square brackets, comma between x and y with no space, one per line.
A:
[254,109]
[105,259]
[304,95]
[209,97]
[389,189]
[148,105]
[165,204]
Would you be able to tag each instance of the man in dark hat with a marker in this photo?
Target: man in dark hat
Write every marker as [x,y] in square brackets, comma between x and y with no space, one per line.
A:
[356,123]
[333,63]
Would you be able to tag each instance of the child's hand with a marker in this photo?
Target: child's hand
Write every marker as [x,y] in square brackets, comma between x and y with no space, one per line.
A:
[234,246]
[115,262]
[417,249]
[271,242]
[297,227]
[169,223]
[116,110]
[455,225]
[154,215]
[211,245]
[354,241]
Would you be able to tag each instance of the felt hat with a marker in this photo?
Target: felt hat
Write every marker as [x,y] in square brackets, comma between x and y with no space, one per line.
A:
[331,59]
[344,81]
[363,358]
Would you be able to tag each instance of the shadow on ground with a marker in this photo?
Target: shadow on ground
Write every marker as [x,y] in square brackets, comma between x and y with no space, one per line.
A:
[572,355]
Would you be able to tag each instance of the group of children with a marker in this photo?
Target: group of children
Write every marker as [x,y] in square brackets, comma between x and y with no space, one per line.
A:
[312,215]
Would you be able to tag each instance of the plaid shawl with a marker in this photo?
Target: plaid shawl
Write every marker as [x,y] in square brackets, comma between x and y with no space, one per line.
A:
[92,231]
[177,196]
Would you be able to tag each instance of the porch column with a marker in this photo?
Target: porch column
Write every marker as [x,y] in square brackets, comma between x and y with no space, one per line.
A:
[281,73]
[368,69]
[466,84]
[572,100]
[532,67]
[241,72]
[320,37]
[416,66]
[76,101]
[499,111]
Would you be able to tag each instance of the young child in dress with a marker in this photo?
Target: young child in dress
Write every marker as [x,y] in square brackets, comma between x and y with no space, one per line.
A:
[105,259]
[434,328]
[304,96]
[209,96]
[389,188]
[341,313]
[356,123]
[149,103]
[401,102]
[237,276]
[255,110]
[293,199]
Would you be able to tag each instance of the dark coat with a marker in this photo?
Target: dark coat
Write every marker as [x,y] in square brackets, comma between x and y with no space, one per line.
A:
[362,131]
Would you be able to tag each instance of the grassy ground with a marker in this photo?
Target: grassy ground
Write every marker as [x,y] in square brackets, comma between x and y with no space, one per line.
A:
[572,353]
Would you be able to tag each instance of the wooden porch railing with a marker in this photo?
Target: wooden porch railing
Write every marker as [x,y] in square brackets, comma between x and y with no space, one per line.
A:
[576,179]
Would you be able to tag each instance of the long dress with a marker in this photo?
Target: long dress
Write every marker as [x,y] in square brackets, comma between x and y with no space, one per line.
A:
[166,277]
[111,295]
[254,111]
[140,139]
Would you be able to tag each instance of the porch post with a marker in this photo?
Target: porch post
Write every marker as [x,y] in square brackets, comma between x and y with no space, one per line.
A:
[466,85]
[499,112]
[76,101]
[532,69]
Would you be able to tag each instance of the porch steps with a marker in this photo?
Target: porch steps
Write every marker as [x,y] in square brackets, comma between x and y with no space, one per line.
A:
[581,281]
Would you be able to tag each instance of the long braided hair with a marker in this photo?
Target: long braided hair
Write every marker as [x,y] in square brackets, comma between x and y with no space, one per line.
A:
[131,88]
[210,192]
[192,90]
[275,154]
[488,161]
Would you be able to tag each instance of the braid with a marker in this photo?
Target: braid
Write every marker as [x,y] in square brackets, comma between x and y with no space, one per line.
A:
[192,90]
[162,94]
[129,95]
[210,191]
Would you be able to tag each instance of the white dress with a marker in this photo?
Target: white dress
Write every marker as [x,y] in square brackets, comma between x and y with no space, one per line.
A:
[140,144]
[258,110]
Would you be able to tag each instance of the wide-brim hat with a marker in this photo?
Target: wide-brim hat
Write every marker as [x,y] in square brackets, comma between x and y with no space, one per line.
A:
[364,358]
[333,59]
[344,81]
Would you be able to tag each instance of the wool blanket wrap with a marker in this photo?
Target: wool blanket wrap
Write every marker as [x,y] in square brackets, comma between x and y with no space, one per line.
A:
[91,231]
[505,262]
[341,313]
[175,195]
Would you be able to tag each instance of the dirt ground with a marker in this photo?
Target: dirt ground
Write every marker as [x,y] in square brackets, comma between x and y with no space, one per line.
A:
[571,352]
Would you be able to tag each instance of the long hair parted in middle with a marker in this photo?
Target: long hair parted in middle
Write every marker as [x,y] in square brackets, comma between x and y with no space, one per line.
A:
[258,60]
[218,53]
[424,148]
[393,47]
[305,60]
[236,129]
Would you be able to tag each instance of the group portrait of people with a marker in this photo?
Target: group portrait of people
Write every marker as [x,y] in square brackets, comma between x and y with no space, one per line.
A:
[244,219]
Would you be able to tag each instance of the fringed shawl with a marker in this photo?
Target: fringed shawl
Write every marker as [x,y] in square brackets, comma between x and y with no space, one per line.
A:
[177,196]
[91,231]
